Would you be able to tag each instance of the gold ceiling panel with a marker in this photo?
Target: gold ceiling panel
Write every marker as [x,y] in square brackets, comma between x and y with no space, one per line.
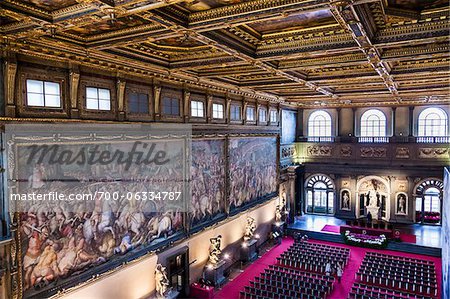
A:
[312,52]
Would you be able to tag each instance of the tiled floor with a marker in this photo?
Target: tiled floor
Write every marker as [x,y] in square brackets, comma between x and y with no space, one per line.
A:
[426,235]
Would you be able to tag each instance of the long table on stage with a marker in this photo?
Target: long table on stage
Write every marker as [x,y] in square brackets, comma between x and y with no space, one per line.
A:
[367,231]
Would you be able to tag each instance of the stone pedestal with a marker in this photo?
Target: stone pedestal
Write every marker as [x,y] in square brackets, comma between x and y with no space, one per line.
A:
[248,251]
[170,295]
[374,211]
[215,274]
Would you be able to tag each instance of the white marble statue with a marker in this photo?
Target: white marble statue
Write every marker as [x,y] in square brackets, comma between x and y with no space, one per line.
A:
[214,250]
[250,228]
[278,215]
[162,282]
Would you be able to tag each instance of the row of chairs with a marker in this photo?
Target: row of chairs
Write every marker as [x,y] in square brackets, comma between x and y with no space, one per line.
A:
[362,291]
[399,258]
[281,269]
[409,275]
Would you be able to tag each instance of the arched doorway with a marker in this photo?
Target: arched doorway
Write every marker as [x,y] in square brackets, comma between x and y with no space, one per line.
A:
[319,195]
[428,197]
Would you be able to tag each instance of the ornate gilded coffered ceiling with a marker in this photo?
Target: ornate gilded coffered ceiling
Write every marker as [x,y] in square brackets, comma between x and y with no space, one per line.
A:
[301,52]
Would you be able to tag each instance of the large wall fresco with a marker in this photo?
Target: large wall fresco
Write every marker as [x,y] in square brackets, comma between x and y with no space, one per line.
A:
[207,180]
[62,239]
[62,244]
[253,169]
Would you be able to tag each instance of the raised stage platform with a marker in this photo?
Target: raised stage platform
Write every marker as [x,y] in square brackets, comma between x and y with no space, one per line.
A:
[427,238]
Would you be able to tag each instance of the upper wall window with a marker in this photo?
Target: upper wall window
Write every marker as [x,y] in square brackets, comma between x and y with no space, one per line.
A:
[170,106]
[98,98]
[197,109]
[433,122]
[262,115]
[319,124]
[251,113]
[43,94]
[217,111]
[138,102]
[273,116]
[373,124]
[235,113]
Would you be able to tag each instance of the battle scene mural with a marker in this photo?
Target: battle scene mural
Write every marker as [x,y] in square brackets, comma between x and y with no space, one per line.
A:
[252,169]
[207,180]
[60,240]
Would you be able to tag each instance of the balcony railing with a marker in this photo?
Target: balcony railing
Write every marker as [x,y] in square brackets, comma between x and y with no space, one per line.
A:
[321,139]
[373,139]
[433,139]
[392,139]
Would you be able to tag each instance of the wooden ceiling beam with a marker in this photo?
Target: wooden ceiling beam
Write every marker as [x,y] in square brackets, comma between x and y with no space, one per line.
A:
[218,44]
[345,14]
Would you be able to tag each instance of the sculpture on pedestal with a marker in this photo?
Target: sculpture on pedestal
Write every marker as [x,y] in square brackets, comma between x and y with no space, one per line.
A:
[214,250]
[250,228]
[278,215]
[162,282]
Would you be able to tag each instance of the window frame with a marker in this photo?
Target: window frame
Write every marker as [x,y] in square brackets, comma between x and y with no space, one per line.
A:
[252,108]
[129,93]
[172,100]
[44,81]
[98,99]
[271,113]
[262,115]
[318,126]
[218,114]
[443,123]
[239,110]
[202,109]
[373,127]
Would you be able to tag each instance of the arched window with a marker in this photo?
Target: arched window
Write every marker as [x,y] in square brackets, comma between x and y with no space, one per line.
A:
[319,124]
[429,201]
[433,122]
[373,124]
[320,195]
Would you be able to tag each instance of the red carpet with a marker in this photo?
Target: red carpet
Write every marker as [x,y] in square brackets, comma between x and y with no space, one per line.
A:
[231,289]
[341,290]
[332,229]
[408,238]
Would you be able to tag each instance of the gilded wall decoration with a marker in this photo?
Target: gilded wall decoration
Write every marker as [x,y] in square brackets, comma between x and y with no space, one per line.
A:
[346,151]
[441,153]
[345,184]
[252,169]
[402,186]
[402,153]
[207,180]
[319,150]
[373,152]
[287,151]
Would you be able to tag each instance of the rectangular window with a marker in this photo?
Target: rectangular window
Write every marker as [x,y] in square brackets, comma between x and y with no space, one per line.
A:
[262,115]
[250,113]
[273,116]
[235,113]
[138,102]
[197,109]
[217,111]
[43,94]
[171,106]
[98,98]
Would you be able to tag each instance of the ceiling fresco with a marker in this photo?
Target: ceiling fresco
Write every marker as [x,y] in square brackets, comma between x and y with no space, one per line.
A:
[305,53]
[50,5]
[295,21]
